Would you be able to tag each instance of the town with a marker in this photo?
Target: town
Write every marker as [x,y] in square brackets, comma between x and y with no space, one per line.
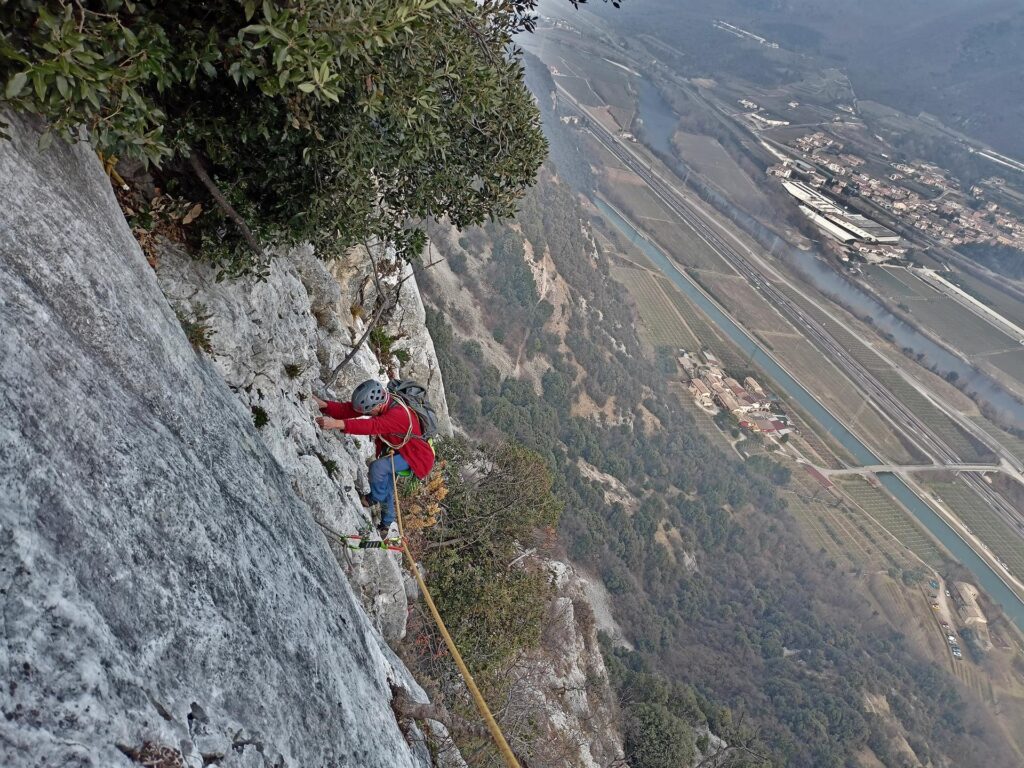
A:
[748,403]
[918,194]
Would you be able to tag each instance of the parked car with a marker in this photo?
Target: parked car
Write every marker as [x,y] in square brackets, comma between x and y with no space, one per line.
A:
[947,593]
[950,639]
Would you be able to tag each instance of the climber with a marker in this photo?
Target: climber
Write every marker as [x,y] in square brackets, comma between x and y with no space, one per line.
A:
[399,441]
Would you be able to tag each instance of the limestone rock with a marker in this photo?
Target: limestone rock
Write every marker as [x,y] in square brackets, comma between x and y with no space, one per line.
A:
[161,577]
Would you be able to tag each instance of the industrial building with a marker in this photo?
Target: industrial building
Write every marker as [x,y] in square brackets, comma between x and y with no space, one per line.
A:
[835,221]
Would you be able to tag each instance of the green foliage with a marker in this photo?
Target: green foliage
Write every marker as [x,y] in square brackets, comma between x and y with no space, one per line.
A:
[329,121]
[196,325]
[769,468]
[259,417]
[383,345]
[498,498]
[719,631]
[330,465]
[655,738]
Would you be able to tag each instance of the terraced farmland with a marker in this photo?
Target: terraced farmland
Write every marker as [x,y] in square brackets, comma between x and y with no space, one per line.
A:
[884,510]
[983,522]
[660,317]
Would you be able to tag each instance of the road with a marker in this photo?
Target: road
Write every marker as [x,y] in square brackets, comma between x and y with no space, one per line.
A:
[729,248]
[903,468]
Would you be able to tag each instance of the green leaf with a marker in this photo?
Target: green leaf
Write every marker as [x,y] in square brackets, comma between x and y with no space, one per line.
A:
[39,84]
[15,84]
[307,87]
[62,86]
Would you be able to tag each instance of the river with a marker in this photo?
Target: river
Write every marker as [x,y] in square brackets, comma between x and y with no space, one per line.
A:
[660,123]
[985,575]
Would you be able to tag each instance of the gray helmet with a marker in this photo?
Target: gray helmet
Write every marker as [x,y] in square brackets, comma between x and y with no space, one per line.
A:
[368,396]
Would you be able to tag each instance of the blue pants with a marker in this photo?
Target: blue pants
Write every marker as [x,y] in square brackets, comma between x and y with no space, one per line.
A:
[382,488]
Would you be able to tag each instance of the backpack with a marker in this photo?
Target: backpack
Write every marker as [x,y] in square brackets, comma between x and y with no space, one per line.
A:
[414,396]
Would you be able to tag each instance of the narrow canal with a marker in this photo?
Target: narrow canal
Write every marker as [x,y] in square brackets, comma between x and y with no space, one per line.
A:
[986,577]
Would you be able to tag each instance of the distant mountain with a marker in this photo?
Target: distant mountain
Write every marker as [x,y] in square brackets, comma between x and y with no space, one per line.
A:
[958,59]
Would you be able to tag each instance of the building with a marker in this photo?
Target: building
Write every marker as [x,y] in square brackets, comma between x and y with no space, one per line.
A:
[835,221]
[752,386]
[967,603]
[700,393]
[728,402]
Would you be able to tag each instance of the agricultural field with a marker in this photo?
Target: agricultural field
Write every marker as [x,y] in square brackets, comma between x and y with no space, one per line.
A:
[661,321]
[897,284]
[940,314]
[886,512]
[1011,442]
[1011,363]
[1010,308]
[982,521]
[743,302]
[959,327]
[966,447]
[707,156]
[836,525]
[676,239]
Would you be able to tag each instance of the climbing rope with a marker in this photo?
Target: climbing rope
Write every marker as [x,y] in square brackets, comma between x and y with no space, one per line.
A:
[481,705]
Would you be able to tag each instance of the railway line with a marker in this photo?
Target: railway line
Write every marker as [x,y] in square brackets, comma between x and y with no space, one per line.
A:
[886,402]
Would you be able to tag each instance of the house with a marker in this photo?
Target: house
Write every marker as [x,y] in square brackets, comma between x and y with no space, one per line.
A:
[967,601]
[700,393]
[753,387]
[728,402]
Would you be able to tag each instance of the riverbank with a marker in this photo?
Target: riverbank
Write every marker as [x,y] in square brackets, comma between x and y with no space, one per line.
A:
[988,578]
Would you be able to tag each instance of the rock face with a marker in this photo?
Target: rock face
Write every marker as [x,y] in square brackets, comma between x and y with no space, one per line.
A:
[161,576]
[569,687]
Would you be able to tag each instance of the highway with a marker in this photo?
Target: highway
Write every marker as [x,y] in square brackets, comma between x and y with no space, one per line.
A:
[716,236]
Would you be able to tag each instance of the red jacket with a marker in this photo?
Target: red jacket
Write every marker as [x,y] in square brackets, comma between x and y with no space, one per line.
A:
[393,425]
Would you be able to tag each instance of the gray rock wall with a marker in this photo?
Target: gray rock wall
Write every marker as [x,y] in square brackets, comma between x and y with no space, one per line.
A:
[160,580]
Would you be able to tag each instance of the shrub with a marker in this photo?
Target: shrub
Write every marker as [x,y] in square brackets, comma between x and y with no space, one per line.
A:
[496,499]
[259,417]
[329,121]
[196,325]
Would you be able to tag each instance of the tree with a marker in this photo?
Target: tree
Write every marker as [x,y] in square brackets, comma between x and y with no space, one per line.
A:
[656,738]
[329,120]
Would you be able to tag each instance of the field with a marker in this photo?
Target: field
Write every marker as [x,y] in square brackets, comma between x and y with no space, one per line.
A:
[982,521]
[1010,308]
[662,323]
[706,156]
[1011,362]
[675,238]
[743,302]
[965,446]
[937,312]
[844,530]
[897,284]
[1011,442]
[886,512]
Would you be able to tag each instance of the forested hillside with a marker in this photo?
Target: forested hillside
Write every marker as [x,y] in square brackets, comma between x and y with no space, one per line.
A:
[732,618]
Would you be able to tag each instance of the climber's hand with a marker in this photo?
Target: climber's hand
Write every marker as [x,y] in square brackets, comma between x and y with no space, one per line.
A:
[321,404]
[326,422]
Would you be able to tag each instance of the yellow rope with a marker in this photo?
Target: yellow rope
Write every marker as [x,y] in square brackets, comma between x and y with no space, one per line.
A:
[481,705]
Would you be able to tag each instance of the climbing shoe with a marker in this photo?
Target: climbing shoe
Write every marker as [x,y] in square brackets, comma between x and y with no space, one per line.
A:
[388,532]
